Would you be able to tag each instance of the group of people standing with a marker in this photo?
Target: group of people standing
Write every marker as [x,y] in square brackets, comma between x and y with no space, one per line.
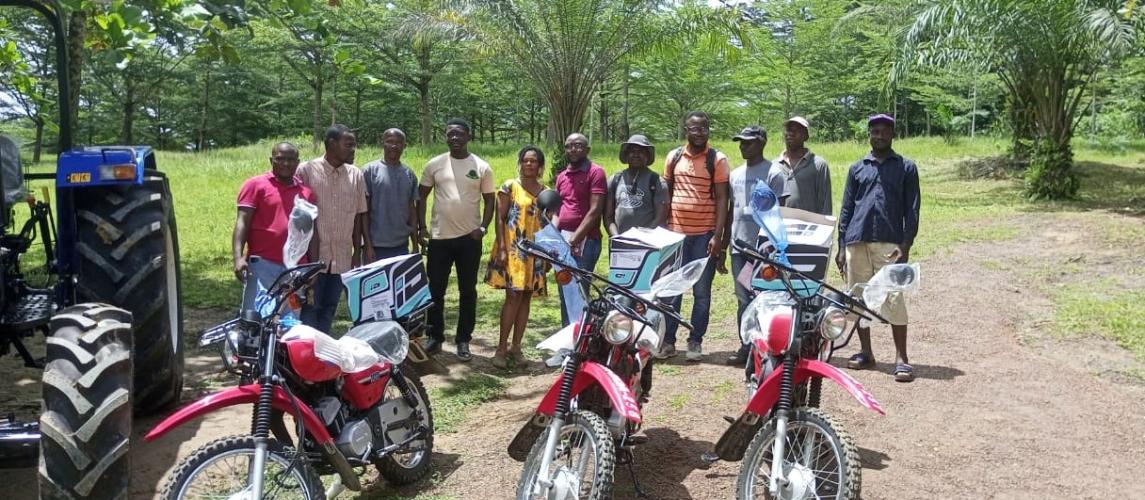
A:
[380,211]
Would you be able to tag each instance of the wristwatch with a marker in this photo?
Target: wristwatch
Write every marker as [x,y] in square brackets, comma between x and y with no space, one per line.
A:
[483,229]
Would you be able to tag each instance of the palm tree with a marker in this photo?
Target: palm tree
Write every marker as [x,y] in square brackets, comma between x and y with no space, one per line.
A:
[567,48]
[1046,53]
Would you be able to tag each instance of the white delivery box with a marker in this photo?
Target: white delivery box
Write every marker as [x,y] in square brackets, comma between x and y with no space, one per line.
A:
[392,288]
[640,256]
[809,239]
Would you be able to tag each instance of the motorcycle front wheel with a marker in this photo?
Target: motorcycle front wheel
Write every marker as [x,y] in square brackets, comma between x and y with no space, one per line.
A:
[220,468]
[409,464]
[583,463]
[820,460]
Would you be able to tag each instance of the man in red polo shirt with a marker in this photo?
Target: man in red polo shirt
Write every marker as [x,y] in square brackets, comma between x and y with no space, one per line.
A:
[582,185]
[264,206]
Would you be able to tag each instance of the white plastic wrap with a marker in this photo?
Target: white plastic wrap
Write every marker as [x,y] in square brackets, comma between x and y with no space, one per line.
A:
[299,231]
[681,280]
[895,278]
[758,312]
[347,353]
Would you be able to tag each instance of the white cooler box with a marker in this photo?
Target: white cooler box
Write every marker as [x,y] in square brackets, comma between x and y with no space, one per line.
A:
[392,288]
[640,256]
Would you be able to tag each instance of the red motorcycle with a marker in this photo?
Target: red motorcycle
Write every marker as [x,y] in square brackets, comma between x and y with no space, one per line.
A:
[354,403]
[593,410]
[793,333]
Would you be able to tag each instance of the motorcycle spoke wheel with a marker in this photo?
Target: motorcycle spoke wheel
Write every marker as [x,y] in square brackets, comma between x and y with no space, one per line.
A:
[820,460]
[412,462]
[220,470]
[584,461]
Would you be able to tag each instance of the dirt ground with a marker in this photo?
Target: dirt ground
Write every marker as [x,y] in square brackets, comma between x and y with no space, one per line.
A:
[1000,408]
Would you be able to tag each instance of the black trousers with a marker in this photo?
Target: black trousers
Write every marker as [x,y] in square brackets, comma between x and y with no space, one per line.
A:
[442,255]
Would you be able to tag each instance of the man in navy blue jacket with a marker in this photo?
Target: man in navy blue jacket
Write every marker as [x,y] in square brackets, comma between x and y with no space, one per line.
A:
[877,226]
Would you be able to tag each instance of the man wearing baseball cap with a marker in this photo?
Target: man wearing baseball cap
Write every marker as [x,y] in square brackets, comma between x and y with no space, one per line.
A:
[804,175]
[877,227]
[752,140]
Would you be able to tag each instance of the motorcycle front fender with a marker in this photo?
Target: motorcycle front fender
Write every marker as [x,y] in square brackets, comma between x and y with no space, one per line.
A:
[732,445]
[591,373]
[768,392]
[246,394]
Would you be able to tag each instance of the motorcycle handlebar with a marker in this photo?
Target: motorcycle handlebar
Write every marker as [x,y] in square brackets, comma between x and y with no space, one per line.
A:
[532,248]
[745,248]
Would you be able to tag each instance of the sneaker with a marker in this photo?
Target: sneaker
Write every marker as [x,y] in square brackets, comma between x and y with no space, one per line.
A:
[695,352]
[432,346]
[463,352]
[666,351]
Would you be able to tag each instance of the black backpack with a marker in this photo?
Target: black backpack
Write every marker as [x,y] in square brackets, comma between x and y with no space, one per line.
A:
[653,184]
[709,164]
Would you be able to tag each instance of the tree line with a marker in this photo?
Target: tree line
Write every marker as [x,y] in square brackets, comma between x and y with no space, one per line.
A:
[180,74]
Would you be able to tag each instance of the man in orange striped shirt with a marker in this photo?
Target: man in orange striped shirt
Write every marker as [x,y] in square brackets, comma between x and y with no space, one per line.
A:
[697,178]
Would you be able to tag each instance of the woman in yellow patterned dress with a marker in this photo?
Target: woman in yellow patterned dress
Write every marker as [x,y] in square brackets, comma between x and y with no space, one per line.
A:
[520,275]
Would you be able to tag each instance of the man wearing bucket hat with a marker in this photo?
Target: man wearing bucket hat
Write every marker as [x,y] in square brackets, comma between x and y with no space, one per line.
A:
[804,175]
[637,197]
[877,227]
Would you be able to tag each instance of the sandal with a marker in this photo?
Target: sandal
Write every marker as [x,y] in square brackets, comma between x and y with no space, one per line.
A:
[499,361]
[519,359]
[861,361]
[904,372]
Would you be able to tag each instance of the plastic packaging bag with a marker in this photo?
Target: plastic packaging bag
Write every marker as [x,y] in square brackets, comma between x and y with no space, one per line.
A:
[551,240]
[765,210]
[895,278]
[300,229]
[347,353]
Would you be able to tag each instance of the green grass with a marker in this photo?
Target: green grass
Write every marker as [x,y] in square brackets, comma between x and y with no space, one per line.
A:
[1083,309]
[678,401]
[452,399]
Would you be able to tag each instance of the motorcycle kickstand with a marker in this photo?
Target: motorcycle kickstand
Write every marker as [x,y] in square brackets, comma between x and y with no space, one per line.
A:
[640,493]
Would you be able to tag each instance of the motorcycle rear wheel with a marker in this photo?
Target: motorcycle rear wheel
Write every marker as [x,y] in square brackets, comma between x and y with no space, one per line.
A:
[583,429]
[219,470]
[819,454]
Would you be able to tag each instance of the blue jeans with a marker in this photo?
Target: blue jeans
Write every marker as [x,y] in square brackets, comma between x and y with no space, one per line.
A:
[318,312]
[695,247]
[387,252]
[586,260]
[743,295]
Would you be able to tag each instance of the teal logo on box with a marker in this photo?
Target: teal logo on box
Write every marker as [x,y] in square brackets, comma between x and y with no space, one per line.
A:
[640,256]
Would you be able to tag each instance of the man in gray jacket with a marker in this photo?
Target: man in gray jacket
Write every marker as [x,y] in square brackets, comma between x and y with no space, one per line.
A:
[803,175]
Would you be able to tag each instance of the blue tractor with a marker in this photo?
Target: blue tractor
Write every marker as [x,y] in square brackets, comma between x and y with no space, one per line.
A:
[111,310]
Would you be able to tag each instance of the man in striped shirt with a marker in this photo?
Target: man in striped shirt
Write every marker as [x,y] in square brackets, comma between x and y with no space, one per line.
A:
[697,177]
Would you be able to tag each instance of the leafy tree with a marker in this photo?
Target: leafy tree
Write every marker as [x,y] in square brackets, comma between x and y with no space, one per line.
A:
[1045,54]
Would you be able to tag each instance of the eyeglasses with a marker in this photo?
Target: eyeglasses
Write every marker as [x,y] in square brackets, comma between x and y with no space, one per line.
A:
[576,145]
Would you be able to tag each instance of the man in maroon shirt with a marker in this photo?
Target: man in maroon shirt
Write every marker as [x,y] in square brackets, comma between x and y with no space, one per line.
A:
[264,206]
[582,186]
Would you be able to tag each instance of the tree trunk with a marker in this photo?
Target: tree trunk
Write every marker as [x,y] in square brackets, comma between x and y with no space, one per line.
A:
[625,129]
[204,110]
[38,145]
[316,85]
[127,128]
[358,103]
[425,112]
[77,35]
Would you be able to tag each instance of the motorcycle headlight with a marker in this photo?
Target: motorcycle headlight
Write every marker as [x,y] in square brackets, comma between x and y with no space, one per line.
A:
[617,328]
[832,323]
[753,323]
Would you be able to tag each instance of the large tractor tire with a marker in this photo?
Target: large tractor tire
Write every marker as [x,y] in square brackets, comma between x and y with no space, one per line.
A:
[128,250]
[86,424]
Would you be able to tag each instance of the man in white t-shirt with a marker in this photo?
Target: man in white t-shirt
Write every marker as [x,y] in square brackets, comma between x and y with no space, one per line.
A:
[460,182]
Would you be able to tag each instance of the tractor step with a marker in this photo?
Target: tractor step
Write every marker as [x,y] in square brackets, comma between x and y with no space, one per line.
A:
[19,443]
[30,312]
